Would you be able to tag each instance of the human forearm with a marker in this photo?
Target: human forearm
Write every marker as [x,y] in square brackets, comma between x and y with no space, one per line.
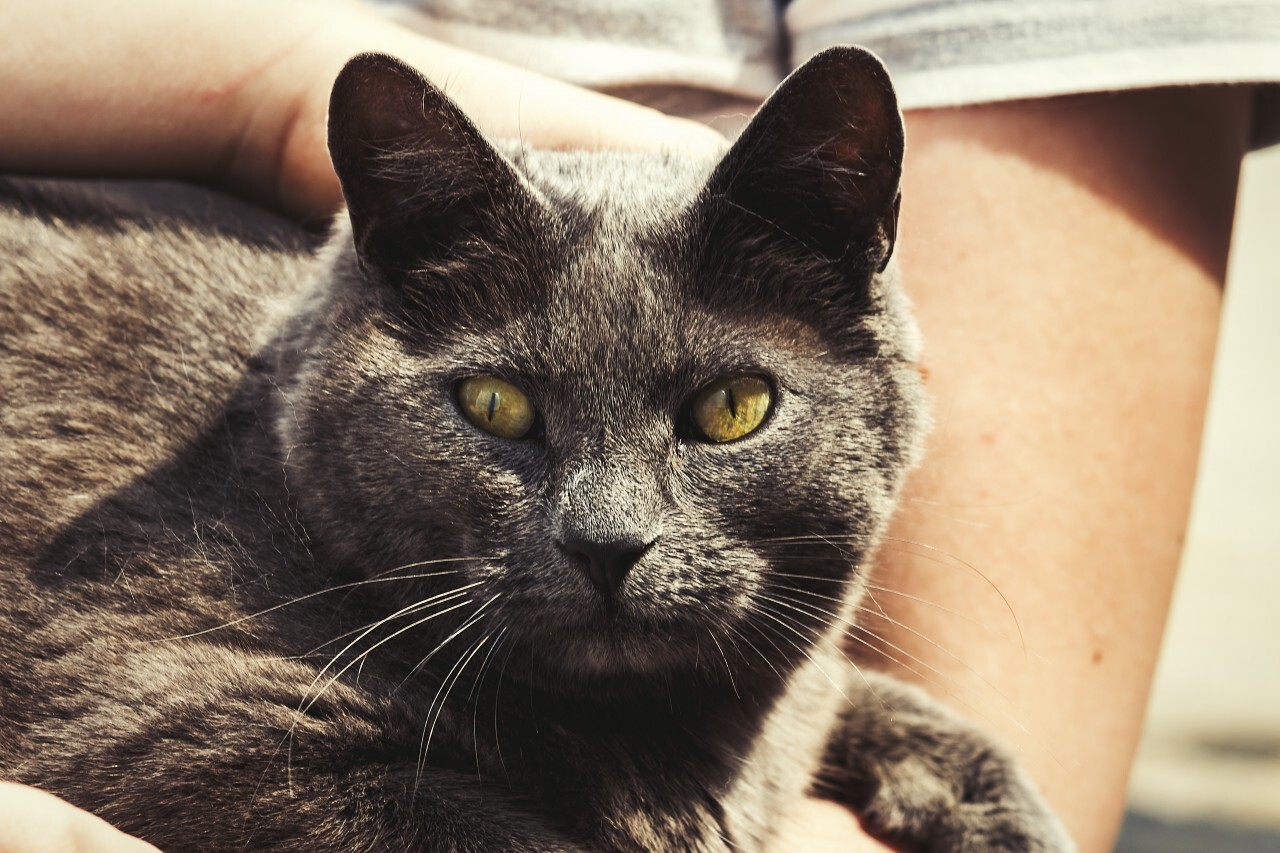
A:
[235,93]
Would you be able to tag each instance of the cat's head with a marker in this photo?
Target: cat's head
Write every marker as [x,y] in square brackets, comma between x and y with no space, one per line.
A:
[644,414]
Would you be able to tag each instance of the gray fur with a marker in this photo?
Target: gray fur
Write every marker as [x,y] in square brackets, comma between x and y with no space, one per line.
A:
[234,484]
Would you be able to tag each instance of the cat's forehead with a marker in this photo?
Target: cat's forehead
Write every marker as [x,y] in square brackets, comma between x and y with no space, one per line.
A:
[621,314]
[624,301]
[618,286]
[619,191]
[612,309]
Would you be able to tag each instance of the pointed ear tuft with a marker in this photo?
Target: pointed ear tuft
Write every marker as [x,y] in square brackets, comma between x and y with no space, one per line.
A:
[419,178]
[821,160]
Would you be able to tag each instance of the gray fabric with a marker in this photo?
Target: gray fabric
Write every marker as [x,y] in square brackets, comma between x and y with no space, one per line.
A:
[944,35]
[955,52]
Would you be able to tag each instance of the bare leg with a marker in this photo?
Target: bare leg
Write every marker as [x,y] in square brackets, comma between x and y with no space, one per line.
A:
[1066,258]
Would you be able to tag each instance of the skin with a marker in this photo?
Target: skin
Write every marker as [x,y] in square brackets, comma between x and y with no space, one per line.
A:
[243,106]
[36,822]
[1066,258]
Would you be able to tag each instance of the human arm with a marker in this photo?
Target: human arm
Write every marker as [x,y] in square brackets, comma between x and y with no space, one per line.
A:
[235,93]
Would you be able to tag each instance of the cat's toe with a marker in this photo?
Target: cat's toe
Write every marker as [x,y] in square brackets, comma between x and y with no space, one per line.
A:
[1004,828]
[995,809]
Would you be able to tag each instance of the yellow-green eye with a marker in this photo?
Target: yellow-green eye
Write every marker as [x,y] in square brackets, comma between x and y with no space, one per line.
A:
[496,406]
[731,407]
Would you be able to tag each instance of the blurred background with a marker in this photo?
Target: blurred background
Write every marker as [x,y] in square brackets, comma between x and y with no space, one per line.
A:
[1207,778]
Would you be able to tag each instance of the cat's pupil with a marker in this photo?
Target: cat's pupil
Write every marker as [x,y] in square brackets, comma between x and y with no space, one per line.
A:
[731,408]
[496,406]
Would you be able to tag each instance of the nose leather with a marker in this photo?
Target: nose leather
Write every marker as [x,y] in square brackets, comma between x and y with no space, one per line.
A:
[605,564]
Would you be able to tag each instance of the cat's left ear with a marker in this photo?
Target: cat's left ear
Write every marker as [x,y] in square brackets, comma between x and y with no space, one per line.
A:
[821,160]
[421,182]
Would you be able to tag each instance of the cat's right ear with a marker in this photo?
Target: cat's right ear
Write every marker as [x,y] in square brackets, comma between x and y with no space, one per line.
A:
[421,182]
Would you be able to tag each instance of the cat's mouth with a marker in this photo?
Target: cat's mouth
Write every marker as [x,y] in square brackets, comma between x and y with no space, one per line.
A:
[607,636]
[604,655]
[627,611]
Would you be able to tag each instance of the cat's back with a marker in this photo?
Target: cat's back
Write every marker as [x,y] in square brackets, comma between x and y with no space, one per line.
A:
[128,315]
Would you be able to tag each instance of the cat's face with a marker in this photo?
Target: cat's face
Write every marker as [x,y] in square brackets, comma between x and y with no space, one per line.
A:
[648,412]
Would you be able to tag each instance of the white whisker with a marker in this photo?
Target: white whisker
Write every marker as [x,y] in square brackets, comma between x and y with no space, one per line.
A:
[292,601]
[404,611]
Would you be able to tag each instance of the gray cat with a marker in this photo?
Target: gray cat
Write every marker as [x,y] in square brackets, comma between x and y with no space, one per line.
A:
[527,514]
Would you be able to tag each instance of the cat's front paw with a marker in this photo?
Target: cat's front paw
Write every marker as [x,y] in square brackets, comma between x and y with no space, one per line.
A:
[986,807]
[926,781]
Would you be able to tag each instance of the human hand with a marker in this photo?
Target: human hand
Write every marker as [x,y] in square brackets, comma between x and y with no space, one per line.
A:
[821,826]
[35,821]
[505,101]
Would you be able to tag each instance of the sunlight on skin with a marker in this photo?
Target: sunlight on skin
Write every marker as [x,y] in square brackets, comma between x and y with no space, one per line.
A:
[244,105]
[819,826]
[36,822]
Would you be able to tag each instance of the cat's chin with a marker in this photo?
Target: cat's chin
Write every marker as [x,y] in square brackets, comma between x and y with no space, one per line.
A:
[611,645]
[604,656]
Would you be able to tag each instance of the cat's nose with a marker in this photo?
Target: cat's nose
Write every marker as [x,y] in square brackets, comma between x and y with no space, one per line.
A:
[605,563]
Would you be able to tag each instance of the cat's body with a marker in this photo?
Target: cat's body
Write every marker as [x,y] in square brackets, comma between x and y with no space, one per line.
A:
[265,587]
